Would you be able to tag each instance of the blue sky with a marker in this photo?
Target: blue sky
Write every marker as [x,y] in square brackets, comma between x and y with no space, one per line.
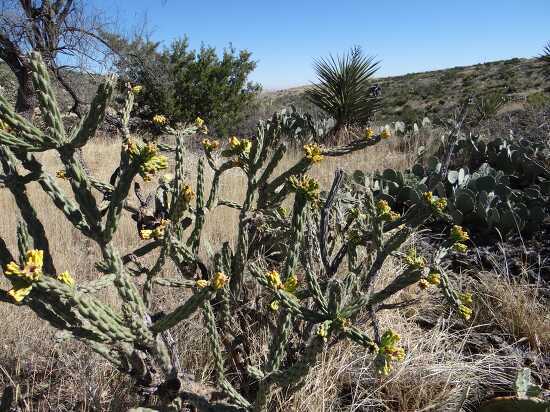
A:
[406,35]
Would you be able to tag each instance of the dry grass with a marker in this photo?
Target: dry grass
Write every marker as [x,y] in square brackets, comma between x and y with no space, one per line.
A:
[439,373]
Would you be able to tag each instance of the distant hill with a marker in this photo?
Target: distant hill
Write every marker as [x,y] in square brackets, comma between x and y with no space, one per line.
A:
[408,98]
[433,94]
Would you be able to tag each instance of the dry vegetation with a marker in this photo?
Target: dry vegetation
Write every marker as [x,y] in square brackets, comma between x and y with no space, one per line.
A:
[449,364]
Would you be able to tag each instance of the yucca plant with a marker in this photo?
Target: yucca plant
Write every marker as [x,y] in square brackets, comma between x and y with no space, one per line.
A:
[316,296]
[344,89]
[545,57]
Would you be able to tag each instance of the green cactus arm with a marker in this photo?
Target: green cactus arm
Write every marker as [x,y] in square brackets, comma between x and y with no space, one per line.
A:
[352,147]
[103,187]
[141,251]
[229,203]
[297,235]
[106,352]
[255,152]
[89,124]
[314,288]
[182,256]
[215,344]
[16,143]
[288,300]
[279,342]
[166,148]
[82,189]
[59,198]
[126,111]
[295,373]
[100,318]
[416,216]
[179,171]
[175,283]
[277,351]
[24,242]
[26,209]
[182,312]
[25,135]
[270,168]
[299,168]
[195,238]
[48,102]
[359,337]
[212,197]
[330,269]
[153,273]
[98,284]
[241,252]
[364,300]
[117,201]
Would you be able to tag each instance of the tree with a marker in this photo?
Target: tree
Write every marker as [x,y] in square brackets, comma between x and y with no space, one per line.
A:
[183,83]
[344,90]
[61,30]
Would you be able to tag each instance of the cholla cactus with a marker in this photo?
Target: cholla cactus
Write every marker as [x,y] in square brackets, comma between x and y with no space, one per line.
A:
[308,287]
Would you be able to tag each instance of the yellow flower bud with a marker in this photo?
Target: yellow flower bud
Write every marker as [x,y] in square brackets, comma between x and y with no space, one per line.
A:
[32,269]
[275,305]
[415,261]
[434,278]
[428,196]
[423,283]
[66,278]
[291,284]
[307,186]
[322,331]
[4,127]
[219,280]
[19,294]
[137,89]
[274,279]
[145,234]
[388,352]
[166,179]
[210,145]
[460,247]
[201,283]
[440,205]
[458,234]
[159,120]
[234,142]
[465,312]
[466,298]
[30,272]
[201,126]
[313,152]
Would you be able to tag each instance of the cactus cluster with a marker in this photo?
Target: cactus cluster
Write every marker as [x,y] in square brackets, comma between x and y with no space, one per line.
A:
[527,397]
[506,185]
[312,296]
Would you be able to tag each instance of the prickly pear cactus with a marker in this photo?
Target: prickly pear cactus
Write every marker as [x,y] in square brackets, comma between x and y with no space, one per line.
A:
[508,191]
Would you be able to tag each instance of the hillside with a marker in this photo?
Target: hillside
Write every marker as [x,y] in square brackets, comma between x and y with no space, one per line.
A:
[412,96]
[408,97]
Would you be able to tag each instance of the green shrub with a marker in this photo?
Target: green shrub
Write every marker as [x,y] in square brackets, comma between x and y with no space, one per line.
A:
[183,84]
[538,100]
[343,89]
